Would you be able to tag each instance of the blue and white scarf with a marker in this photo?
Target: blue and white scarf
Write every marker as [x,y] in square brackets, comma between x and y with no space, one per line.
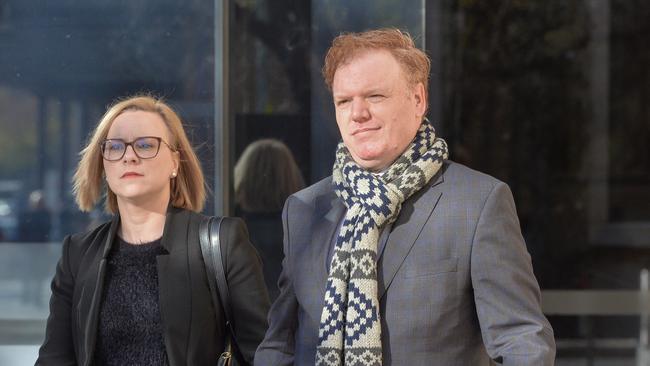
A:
[350,328]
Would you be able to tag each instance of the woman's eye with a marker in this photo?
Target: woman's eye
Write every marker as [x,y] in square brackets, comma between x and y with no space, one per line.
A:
[115,146]
[144,145]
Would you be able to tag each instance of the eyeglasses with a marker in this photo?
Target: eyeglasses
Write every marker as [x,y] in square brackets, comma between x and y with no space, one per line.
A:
[145,147]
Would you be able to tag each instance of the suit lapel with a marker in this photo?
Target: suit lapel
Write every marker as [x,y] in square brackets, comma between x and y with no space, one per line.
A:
[329,213]
[96,279]
[414,214]
[174,286]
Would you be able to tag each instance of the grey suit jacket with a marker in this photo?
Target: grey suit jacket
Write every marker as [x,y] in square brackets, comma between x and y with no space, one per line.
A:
[456,284]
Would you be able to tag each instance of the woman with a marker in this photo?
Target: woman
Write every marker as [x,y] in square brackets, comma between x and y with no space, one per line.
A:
[134,290]
[265,175]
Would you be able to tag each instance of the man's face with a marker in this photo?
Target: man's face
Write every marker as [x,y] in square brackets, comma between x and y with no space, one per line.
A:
[377,111]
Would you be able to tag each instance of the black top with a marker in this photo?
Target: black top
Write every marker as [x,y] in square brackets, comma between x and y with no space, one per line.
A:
[129,331]
[194,330]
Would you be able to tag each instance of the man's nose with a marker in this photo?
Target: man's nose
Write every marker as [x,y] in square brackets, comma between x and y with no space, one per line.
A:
[360,112]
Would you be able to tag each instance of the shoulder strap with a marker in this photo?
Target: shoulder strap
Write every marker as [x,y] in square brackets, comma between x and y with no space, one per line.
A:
[211,249]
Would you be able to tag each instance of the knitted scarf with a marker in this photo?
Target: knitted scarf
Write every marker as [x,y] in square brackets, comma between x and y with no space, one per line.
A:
[350,328]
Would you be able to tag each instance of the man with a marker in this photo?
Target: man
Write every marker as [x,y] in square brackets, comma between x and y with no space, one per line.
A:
[402,257]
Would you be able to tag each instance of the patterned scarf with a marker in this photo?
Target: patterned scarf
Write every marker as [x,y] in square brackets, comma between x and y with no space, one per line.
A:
[350,328]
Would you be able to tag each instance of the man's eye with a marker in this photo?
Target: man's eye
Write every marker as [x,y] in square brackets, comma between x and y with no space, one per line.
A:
[342,102]
[376,97]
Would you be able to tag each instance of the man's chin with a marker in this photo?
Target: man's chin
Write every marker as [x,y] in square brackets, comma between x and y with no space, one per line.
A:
[369,163]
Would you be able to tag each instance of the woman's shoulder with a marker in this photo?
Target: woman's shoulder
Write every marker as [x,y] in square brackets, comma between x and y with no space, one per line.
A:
[227,221]
[93,238]
[92,232]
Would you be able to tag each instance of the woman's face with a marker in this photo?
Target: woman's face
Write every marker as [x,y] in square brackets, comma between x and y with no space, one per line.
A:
[140,176]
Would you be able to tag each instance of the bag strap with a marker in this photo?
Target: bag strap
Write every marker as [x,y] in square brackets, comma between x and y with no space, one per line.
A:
[209,229]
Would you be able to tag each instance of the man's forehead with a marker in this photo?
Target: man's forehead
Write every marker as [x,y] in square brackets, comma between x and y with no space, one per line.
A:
[365,53]
[372,64]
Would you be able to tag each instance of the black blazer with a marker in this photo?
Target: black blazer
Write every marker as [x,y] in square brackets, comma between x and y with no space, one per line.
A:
[194,331]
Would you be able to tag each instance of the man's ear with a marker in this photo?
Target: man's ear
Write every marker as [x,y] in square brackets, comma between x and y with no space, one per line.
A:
[420,98]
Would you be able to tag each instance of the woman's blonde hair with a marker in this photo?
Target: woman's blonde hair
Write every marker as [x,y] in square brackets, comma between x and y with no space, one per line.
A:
[265,175]
[187,189]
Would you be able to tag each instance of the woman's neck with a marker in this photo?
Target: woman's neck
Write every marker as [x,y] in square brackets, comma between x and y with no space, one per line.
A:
[141,223]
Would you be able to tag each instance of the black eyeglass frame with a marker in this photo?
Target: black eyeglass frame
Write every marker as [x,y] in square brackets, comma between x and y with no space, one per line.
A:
[135,151]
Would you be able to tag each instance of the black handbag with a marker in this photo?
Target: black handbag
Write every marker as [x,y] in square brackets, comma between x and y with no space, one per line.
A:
[215,269]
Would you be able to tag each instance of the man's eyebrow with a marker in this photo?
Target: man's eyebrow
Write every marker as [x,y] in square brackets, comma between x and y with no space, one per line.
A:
[380,90]
[365,93]
[375,91]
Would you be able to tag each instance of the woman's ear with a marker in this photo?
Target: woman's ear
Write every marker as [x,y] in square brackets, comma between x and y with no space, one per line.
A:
[176,157]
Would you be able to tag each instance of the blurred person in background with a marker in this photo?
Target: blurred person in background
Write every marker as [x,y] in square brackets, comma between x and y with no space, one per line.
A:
[34,227]
[34,222]
[134,291]
[265,175]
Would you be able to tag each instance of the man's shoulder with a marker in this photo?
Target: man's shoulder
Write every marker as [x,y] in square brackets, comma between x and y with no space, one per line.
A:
[453,173]
[314,191]
[458,181]
[459,175]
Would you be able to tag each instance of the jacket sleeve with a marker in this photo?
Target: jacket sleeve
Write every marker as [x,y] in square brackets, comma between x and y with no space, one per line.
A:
[507,296]
[278,345]
[58,347]
[249,298]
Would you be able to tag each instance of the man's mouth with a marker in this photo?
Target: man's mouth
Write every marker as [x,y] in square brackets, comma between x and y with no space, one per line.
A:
[365,129]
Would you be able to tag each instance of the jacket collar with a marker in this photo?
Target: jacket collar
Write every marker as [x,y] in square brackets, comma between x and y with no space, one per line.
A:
[171,222]
[415,212]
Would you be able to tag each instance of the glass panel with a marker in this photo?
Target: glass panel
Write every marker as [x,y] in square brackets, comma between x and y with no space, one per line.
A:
[629,112]
[62,63]
[552,98]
